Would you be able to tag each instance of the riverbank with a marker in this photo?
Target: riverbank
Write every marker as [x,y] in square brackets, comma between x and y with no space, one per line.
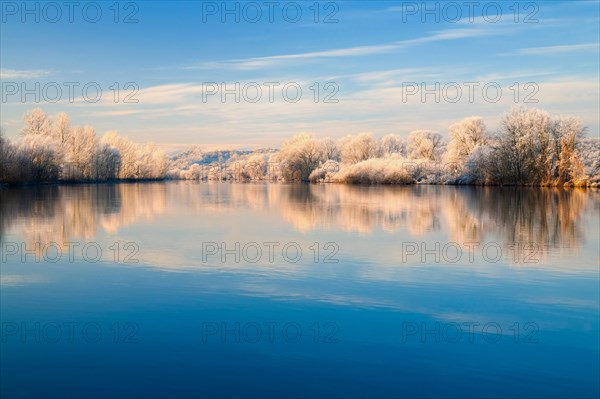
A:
[590,185]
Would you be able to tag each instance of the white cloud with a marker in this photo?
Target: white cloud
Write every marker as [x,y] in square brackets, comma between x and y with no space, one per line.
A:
[22,74]
[569,48]
[377,103]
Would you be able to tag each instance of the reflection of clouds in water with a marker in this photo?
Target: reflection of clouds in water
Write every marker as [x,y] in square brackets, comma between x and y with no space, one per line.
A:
[17,279]
[547,217]
[384,217]
[564,302]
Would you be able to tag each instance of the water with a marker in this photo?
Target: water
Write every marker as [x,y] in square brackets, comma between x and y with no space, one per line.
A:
[134,290]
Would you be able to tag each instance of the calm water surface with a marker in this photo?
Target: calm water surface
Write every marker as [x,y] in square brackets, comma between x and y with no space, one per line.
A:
[252,290]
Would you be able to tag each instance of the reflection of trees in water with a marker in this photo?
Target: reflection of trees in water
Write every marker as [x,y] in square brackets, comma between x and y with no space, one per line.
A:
[540,216]
[25,203]
[360,208]
[58,214]
[136,202]
[543,216]
[307,207]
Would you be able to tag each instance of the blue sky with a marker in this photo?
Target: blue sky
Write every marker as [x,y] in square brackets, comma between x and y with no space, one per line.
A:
[374,55]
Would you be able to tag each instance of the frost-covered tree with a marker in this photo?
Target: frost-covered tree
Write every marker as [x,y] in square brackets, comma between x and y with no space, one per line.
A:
[127,151]
[106,163]
[465,136]
[528,146]
[325,172]
[49,150]
[37,122]
[424,144]
[299,156]
[532,147]
[16,164]
[61,129]
[513,141]
[570,167]
[358,148]
[195,172]
[40,158]
[374,171]
[137,161]
[392,144]
[151,163]
[80,149]
[478,168]
[254,167]
[330,149]
[588,151]
[7,166]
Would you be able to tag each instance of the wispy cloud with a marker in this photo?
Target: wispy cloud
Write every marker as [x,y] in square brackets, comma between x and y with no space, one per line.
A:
[22,74]
[359,51]
[380,108]
[118,113]
[562,49]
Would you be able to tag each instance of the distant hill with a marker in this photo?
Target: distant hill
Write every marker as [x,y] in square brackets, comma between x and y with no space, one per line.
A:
[196,155]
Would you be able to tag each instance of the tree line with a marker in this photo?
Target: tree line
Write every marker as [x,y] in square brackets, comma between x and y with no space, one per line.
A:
[50,149]
[529,147]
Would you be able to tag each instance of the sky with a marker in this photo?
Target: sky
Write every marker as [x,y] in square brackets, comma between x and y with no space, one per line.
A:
[251,74]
